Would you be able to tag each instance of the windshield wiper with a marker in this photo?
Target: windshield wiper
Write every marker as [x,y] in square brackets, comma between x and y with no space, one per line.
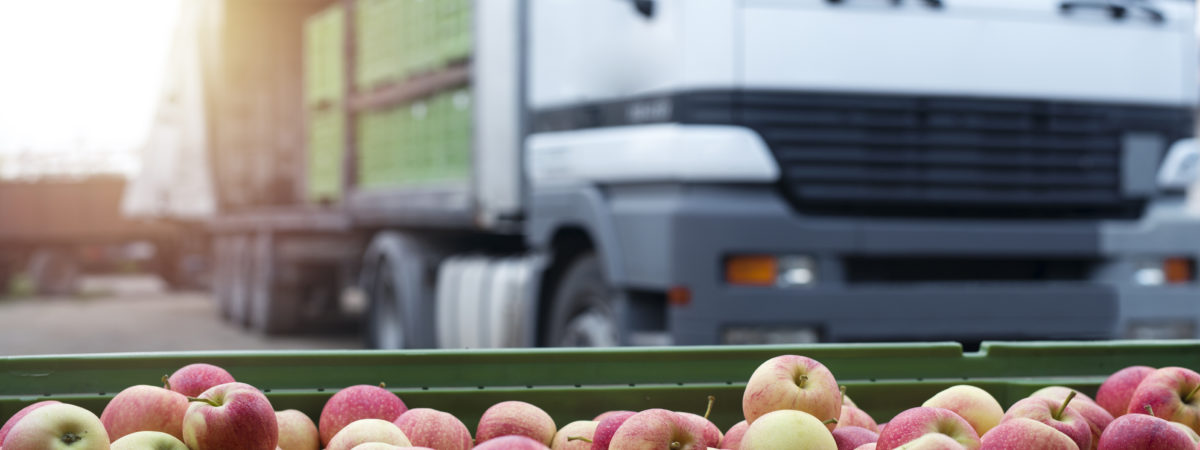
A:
[1116,10]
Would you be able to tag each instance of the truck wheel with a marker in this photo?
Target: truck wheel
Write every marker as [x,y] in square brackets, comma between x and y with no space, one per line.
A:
[385,321]
[222,273]
[275,299]
[241,256]
[584,312]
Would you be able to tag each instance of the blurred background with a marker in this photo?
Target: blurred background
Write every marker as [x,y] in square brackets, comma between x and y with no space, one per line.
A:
[252,174]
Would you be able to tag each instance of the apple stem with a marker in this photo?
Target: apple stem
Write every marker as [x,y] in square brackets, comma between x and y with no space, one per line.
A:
[708,410]
[383,385]
[1188,399]
[1149,410]
[71,438]
[1058,414]
[579,438]
[166,382]
[827,422]
[843,389]
[800,381]
[205,400]
[676,445]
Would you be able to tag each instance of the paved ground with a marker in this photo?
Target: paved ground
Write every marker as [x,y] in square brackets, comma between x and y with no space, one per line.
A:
[133,314]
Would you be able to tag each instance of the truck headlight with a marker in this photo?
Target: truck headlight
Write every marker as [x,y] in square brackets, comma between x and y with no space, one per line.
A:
[1179,168]
[771,270]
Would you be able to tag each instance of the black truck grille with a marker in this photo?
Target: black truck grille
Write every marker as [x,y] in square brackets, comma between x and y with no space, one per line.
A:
[951,158]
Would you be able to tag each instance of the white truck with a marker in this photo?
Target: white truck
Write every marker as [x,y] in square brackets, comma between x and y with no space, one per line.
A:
[716,171]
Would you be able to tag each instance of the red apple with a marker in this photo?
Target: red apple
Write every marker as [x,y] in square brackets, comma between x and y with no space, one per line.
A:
[850,438]
[1059,416]
[228,416]
[1060,392]
[1188,431]
[657,429]
[787,429]
[297,431]
[382,446]
[1118,388]
[916,422]
[511,442]
[607,414]
[148,440]
[1171,393]
[792,382]
[363,431]
[584,429]
[193,379]
[976,405]
[57,427]
[1097,417]
[515,418]
[1020,433]
[357,402]
[932,441]
[22,413]
[870,446]
[733,437]
[854,417]
[1142,431]
[712,434]
[608,427]
[145,408]
[435,429]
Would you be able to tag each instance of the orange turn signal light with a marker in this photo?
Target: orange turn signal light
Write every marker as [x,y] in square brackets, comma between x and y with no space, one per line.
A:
[751,270]
[1178,270]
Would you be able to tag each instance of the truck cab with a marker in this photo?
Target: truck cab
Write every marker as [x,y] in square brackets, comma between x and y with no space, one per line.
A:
[774,171]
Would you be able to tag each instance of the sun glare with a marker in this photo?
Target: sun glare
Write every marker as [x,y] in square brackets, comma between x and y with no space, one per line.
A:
[80,77]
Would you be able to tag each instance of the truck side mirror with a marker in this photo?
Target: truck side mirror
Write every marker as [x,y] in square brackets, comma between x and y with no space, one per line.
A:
[645,7]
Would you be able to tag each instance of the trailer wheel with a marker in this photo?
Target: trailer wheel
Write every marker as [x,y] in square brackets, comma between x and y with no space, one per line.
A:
[241,256]
[584,312]
[385,319]
[275,304]
[222,273]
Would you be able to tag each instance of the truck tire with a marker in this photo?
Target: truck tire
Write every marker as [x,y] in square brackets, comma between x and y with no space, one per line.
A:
[399,291]
[385,319]
[584,312]
[222,273]
[275,306]
[241,291]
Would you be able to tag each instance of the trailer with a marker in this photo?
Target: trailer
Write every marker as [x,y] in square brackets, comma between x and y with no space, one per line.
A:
[538,172]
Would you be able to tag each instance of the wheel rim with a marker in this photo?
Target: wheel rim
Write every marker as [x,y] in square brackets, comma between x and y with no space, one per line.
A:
[386,319]
[594,327]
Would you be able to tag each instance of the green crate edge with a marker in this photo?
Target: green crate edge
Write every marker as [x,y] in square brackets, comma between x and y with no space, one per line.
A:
[577,384]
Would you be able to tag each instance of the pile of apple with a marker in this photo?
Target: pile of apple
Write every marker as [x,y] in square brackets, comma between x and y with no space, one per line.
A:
[790,402]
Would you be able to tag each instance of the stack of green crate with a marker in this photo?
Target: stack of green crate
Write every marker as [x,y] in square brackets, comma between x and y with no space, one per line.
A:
[398,39]
[426,141]
[324,37]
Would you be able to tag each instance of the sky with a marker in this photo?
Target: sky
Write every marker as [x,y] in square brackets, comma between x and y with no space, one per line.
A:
[80,75]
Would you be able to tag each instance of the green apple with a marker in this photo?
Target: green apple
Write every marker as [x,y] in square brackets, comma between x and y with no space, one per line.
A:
[976,405]
[148,440]
[58,427]
[790,429]
[363,431]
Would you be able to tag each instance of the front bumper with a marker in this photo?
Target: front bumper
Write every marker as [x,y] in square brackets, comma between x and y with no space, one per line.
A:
[704,224]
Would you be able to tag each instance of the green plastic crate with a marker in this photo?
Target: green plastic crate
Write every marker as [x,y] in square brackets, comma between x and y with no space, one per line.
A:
[324,39]
[574,384]
[326,137]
